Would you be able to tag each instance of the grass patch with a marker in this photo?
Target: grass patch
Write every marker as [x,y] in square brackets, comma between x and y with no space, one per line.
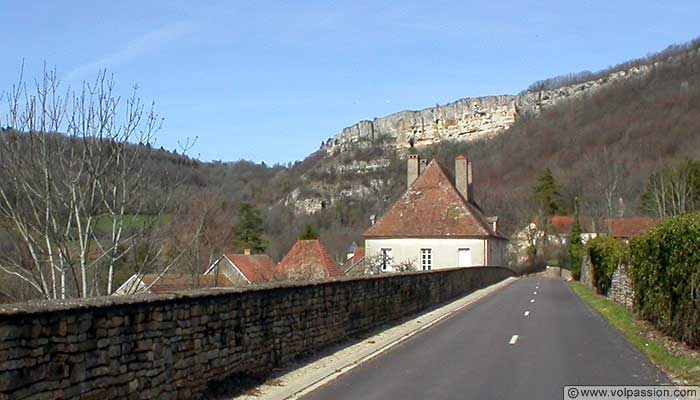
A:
[677,366]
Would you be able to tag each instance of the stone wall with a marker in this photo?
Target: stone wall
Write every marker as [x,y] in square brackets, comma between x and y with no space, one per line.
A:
[173,346]
[586,271]
[621,289]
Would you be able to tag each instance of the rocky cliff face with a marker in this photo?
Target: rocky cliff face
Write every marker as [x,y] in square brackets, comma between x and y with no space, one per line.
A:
[350,155]
[464,119]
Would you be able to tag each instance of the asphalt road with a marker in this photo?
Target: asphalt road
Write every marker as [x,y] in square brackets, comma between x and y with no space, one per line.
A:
[470,356]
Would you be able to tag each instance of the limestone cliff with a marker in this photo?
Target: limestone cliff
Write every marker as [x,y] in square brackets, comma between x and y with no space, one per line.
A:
[464,119]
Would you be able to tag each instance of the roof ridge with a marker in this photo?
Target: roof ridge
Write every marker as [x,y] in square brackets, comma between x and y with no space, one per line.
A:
[433,194]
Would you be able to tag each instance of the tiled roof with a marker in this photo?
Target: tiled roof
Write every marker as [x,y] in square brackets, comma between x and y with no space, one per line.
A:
[358,255]
[432,207]
[624,228]
[176,282]
[308,255]
[257,268]
[561,224]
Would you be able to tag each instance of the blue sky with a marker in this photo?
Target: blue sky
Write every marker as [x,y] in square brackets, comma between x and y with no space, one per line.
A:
[267,81]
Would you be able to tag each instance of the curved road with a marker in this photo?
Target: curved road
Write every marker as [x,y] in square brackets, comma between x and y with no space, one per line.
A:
[470,356]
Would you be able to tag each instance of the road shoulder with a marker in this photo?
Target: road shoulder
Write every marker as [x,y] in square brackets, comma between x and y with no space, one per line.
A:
[681,365]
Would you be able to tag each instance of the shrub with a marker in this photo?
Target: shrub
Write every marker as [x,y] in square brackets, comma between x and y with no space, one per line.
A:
[665,271]
[575,249]
[605,254]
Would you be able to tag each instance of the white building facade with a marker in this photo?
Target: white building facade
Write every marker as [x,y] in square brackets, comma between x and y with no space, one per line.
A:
[436,224]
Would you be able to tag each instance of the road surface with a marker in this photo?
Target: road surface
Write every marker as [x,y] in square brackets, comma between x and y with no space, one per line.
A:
[526,341]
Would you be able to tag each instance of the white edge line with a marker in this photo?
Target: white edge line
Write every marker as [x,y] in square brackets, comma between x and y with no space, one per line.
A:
[380,351]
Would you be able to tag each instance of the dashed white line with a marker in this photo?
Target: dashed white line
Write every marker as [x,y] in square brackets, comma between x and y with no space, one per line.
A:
[532,301]
[513,339]
[534,292]
[526,313]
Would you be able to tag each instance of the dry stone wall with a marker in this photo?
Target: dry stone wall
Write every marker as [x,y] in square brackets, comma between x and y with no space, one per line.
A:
[172,346]
[621,289]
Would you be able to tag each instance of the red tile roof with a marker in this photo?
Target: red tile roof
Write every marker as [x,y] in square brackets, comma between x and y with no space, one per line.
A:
[625,228]
[177,282]
[308,256]
[432,207]
[257,268]
[358,255]
[561,224]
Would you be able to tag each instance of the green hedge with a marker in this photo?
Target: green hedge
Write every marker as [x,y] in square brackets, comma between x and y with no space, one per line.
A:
[605,254]
[665,271]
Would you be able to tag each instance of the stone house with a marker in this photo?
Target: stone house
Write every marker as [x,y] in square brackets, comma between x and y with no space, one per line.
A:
[308,260]
[244,269]
[436,223]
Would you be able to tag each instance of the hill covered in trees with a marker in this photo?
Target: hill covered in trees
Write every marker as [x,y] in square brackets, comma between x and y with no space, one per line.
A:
[602,148]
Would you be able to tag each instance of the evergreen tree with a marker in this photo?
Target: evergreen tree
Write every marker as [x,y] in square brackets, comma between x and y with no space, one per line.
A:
[309,233]
[547,194]
[250,230]
[575,248]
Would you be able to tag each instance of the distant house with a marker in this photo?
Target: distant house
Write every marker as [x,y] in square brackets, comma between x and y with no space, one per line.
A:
[627,228]
[308,260]
[244,269]
[558,229]
[436,223]
[354,259]
[169,283]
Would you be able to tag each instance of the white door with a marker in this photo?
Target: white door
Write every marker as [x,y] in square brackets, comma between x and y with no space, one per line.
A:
[464,258]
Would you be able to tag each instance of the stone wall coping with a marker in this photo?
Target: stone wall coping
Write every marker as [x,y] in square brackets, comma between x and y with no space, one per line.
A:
[38,307]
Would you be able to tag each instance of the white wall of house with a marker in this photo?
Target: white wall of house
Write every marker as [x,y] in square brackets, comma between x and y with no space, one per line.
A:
[444,252]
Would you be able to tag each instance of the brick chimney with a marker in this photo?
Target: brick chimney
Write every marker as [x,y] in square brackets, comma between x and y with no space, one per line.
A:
[246,252]
[470,181]
[413,169]
[422,165]
[463,176]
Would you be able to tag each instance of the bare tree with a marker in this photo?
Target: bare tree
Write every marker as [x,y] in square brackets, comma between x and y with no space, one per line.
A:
[674,190]
[72,185]
[602,196]
[373,265]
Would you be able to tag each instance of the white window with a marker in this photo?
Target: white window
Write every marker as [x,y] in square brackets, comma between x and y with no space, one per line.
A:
[464,258]
[426,259]
[387,258]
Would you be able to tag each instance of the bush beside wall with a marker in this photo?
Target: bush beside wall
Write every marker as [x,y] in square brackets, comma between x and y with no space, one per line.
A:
[665,271]
[605,254]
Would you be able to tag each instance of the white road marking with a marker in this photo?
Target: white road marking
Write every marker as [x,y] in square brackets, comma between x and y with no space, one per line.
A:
[532,301]
[514,339]
[527,313]
[534,292]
